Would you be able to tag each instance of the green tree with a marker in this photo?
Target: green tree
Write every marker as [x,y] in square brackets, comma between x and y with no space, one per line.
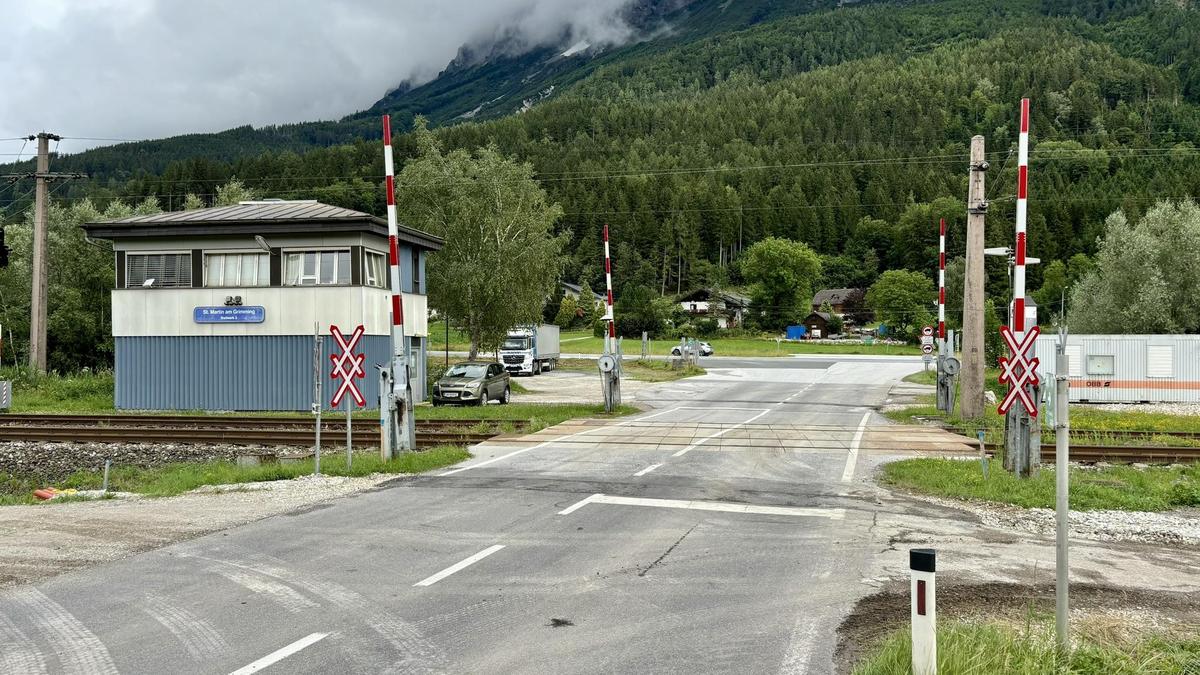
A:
[782,273]
[568,315]
[501,259]
[191,202]
[232,193]
[636,311]
[835,320]
[900,298]
[1145,277]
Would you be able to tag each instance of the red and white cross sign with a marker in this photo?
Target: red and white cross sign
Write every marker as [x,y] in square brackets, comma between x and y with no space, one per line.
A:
[347,366]
[1019,370]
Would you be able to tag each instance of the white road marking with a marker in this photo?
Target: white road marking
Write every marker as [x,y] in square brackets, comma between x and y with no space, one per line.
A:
[647,470]
[554,440]
[198,637]
[414,652]
[799,651]
[77,648]
[280,654]
[579,505]
[725,507]
[256,582]
[721,432]
[852,458]
[458,566]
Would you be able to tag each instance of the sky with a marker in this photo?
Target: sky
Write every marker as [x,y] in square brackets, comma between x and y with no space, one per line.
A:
[134,69]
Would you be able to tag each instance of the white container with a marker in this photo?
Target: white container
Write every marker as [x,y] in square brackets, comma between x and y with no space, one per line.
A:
[1127,368]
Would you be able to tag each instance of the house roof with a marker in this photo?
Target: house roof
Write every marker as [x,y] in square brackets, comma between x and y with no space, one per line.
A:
[256,217]
[837,296]
[729,297]
[824,315]
[576,288]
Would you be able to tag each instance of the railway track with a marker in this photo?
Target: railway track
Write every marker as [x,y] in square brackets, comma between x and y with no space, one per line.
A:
[232,430]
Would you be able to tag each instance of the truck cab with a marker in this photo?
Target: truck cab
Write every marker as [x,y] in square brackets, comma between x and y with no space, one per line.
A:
[530,349]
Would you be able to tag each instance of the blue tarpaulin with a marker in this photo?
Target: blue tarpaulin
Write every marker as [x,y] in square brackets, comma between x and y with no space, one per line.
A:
[796,332]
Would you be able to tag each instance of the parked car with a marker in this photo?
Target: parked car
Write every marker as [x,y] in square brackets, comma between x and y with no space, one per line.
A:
[473,383]
[705,350]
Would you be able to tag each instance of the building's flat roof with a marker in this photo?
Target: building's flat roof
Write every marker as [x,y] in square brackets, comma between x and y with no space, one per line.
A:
[256,217]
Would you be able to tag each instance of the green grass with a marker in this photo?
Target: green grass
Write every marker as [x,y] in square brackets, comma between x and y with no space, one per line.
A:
[75,393]
[984,648]
[1116,487]
[177,478]
[539,415]
[742,346]
[646,370]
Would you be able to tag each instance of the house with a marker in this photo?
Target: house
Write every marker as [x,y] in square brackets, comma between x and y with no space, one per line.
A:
[817,324]
[574,291]
[215,309]
[842,300]
[728,308]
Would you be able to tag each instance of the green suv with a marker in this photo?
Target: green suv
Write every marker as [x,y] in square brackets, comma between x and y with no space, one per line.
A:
[473,383]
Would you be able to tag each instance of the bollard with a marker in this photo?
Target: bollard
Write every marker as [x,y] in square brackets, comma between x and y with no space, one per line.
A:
[107,465]
[921,564]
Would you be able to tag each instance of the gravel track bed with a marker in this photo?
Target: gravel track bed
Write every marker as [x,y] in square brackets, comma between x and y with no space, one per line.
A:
[55,461]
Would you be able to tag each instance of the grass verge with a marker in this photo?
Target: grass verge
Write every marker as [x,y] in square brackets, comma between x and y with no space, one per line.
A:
[983,648]
[1117,487]
[539,415]
[646,370]
[174,479]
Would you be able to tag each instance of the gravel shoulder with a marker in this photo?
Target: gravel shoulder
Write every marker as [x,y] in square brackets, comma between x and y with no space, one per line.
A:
[44,540]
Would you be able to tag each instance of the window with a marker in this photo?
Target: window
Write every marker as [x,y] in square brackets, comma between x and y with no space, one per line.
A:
[375,270]
[1160,361]
[416,269]
[158,270]
[316,268]
[1099,364]
[237,269]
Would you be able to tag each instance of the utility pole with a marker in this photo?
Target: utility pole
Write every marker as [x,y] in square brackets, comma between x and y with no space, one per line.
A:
[41,204]
[971,406]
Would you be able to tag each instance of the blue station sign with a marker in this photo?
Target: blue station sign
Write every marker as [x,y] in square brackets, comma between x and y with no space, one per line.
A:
[247,314]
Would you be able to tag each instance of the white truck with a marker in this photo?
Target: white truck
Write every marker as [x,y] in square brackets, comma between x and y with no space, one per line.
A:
[530,349]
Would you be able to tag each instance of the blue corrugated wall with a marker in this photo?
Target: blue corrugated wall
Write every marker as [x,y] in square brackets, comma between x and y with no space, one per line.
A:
[259,372]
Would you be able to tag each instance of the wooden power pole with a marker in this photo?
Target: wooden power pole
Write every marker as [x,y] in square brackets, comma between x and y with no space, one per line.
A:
[973,338]
[41,205]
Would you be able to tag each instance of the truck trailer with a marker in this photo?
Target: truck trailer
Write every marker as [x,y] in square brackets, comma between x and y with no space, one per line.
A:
[530,349]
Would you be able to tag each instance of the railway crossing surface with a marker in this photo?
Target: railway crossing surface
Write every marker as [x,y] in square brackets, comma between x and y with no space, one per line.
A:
[727,529]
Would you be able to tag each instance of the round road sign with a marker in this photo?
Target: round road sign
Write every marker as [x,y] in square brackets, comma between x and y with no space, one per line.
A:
[927,330]
[927,348]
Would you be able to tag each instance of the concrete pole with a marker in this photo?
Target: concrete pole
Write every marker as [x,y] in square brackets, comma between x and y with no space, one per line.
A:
[37,311]
[971,406]
[1062,444]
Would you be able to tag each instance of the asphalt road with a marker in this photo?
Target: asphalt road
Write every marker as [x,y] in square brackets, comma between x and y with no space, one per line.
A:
[686,539]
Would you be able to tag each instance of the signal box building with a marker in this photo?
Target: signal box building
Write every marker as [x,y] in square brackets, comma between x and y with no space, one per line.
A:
[215,309]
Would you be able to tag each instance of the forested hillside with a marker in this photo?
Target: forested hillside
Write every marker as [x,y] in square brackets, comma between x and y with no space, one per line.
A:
[844,128]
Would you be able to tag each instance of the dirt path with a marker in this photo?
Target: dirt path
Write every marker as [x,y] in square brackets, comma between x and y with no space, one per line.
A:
[44,540]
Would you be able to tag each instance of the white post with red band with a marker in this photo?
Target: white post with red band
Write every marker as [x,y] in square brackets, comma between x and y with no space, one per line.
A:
[1018,317]
[922,563]
[610,341]
[942,288]
[399,433]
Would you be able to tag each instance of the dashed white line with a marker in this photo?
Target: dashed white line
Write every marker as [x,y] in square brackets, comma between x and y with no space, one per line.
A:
[725,507]
[647,470]
[852,458]
[280,654]
[720,433]
[554,440]
[458,566]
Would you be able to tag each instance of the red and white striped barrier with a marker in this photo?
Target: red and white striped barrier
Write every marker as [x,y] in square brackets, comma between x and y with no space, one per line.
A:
[1018,318]
[611,341]
[389,170]
[942,286]
[922,563]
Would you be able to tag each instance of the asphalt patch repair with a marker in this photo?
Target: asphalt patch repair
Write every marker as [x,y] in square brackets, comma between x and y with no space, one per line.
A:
[877,615]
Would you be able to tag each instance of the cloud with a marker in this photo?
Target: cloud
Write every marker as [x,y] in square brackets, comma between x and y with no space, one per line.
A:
[154,68]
